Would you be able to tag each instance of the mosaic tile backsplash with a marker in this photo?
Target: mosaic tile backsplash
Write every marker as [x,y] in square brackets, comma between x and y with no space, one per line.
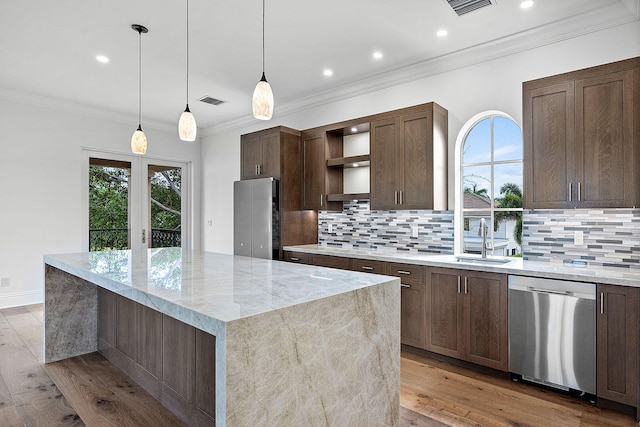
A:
[611,236]
[359,227]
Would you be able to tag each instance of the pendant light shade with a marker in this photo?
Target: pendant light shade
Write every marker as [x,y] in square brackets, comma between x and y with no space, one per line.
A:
[263,100]
[262,103]
[139,139]
[187,129]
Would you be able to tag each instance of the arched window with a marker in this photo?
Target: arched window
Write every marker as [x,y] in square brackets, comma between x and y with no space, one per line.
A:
[489,184]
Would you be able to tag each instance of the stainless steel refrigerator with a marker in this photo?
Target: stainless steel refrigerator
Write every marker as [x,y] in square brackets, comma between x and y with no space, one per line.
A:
[256,218]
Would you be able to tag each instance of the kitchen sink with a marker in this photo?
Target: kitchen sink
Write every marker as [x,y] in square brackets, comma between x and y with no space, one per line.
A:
[468,259]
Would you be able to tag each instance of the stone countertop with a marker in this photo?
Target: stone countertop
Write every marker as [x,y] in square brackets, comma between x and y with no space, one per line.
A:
[518,266]
[219,286]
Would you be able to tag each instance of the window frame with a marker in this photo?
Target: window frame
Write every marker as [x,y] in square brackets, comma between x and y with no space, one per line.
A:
[458,241]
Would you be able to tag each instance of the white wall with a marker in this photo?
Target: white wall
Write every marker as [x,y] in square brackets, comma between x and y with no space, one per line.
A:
[491,85]
[42,183]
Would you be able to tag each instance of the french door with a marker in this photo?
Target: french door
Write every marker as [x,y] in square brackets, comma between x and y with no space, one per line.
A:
[135,202]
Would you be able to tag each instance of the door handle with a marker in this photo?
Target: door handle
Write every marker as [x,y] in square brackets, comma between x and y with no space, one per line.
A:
[321,200]
[601,302]
[579,191]
[466,287]
[400,196]
[458,284]
[395,197]
[570,191]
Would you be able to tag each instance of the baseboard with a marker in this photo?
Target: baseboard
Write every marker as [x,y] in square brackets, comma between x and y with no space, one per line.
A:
[17,299]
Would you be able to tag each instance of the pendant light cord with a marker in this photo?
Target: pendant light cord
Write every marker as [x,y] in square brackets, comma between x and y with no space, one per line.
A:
[139,77]
[187,52]
[263,36]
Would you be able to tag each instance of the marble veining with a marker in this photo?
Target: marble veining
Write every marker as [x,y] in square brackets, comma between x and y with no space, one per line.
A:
[295,344]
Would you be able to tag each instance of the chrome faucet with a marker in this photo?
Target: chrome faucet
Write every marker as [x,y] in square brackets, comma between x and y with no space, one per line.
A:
[483,233]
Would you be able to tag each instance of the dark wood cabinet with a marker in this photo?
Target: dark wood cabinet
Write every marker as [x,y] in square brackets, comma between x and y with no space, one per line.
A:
[467,316]
[412,303]
[409,159]
[617,344]
[582,138]
[296,257]
[173,361]
[330,261]
[320,180]
[260,154]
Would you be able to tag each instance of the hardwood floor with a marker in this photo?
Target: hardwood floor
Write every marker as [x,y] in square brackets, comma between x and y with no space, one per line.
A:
[89,391]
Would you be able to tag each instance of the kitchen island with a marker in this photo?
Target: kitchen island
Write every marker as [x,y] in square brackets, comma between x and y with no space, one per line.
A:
[265,342]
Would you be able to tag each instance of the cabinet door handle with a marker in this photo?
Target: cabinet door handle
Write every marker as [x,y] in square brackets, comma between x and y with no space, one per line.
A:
[458,284]
[601,302]
[294,259]
[395,197]
[400,196]
[570,191]
[321,200]
[404,272]
[402,285]
[579,191]
[466,287]
[366,267]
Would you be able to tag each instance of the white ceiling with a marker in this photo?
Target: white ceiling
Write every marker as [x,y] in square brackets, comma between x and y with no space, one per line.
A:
[48,49]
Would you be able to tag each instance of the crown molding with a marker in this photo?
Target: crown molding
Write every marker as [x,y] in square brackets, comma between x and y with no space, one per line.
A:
[13,95]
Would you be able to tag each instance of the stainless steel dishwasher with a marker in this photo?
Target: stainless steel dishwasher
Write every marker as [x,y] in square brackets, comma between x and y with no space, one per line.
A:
[552,332]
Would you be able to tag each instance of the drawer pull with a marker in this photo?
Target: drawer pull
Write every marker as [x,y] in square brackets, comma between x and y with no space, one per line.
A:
[295,259]
[404,286]
[366,267]
[404,272]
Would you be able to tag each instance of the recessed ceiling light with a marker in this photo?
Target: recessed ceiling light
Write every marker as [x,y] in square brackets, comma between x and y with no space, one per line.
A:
[328,72]
[377,55]
[354,129]
[442,33]
[526,4]
[101,58]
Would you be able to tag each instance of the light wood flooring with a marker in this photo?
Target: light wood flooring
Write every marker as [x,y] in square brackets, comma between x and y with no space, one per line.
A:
[89,391]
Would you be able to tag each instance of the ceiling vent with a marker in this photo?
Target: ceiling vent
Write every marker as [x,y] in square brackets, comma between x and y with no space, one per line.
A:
[212,101]
[465,6]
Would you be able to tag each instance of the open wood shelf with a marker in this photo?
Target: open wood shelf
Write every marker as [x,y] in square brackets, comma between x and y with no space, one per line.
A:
[349,162]
[347,197]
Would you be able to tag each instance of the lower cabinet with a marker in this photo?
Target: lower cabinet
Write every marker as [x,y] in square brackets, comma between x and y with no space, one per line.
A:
[617,344]
[466,316]
[413,328]
[173,361]
[330,261]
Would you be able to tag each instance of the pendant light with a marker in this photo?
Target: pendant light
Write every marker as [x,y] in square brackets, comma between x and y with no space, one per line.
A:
[187,128]
[262,102]
[139,139]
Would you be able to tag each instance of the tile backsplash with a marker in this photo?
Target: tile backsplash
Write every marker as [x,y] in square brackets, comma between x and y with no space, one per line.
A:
[359,227]
[611,236]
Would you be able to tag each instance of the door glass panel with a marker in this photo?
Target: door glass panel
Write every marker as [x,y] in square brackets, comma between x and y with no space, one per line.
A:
[165,206]
[108,204]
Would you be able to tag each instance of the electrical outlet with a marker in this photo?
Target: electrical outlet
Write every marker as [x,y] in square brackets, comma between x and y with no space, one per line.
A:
[578,238]
[330,228]
[414,231]
[210,222]
[5,281]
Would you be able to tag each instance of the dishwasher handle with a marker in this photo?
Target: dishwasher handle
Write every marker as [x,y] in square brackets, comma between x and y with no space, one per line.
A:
[550,291]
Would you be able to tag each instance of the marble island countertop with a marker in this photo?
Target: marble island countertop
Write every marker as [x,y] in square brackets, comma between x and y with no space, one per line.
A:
[516,266]
[219,286]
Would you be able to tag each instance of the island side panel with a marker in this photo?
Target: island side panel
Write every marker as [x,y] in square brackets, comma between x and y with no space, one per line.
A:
[333,361]
[70,315]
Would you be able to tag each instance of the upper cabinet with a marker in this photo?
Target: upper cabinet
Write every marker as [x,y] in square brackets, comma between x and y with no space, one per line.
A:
[319,181]
[582,138]
[260,152]
[409,159]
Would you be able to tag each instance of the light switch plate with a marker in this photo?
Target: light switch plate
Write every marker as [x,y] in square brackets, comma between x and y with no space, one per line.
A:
[414,231]
[578,238]
[330,228]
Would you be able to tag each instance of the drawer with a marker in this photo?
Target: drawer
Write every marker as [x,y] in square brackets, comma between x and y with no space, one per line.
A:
[330,261]
[368,266]
[409,274]
[297,257]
